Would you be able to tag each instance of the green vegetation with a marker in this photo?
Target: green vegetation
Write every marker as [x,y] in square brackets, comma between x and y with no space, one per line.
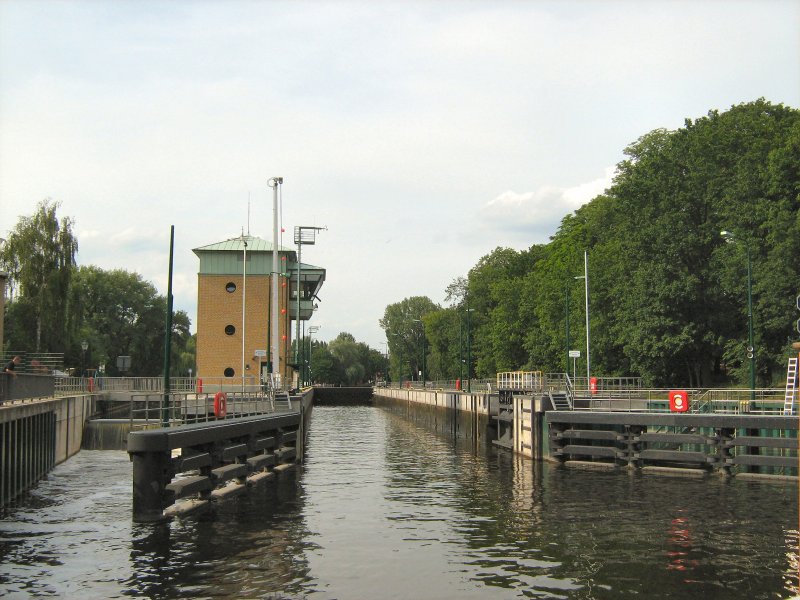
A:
[55,305]
[668,295]
[344,361]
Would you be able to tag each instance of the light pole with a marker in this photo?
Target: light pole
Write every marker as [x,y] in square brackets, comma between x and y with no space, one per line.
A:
[386,363]
[84,347]
[585,278]
[274,182]
[423,350]
[303,236]
[311,330]
[400,354]
[566,325]
[469,350]
[751,351]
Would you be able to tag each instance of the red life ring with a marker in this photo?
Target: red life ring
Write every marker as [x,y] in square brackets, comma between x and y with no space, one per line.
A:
[220,404]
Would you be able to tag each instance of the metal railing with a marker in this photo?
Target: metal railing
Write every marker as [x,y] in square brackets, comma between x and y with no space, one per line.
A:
[529,381]
[70,385]
[148,409]
[710,401]
[476,385]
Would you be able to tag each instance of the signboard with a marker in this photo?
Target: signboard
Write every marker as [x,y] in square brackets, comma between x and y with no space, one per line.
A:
[123,363]
[574,354]
[260,353]
[678,401]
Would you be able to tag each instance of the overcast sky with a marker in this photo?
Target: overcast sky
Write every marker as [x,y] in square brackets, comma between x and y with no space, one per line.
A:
[421,134]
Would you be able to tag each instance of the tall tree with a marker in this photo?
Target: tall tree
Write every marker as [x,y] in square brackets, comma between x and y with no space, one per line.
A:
[120,314]
[405,333]
[39,257]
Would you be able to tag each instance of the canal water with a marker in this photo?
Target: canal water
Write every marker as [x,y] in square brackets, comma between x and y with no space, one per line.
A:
[396,503]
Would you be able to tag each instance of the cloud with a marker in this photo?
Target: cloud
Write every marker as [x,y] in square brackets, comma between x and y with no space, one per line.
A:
[535,215]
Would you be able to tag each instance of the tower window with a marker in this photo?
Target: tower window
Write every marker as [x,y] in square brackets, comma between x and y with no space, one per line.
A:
[230,287]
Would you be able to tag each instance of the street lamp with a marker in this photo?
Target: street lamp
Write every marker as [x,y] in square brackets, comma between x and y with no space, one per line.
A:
[585,278]
[469,350]
[423,350]
[84,347]
[311,330]
[400,354]
[274,182]
[751,351]
[303,236]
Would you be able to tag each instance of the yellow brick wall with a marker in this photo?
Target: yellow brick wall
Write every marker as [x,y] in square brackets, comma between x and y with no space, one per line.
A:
[217,308]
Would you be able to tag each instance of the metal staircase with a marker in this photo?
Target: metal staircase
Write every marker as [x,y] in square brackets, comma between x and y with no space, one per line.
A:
[791,387]
[283,396]
[560,400]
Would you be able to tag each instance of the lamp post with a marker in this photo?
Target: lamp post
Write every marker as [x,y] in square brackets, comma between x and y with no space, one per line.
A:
[274,182]
[303,236]
[469,351]
[311,330]
[84,347]
[423,350]
[399,354]
[585,278]
[751,351]
[566,325]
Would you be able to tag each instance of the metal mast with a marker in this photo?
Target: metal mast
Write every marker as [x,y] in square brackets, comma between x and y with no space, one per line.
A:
[275,327]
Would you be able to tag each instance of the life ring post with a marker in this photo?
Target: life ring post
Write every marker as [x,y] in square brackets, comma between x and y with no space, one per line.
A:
[220,405]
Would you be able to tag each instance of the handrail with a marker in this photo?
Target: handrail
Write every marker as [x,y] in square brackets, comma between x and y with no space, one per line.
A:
[184,408]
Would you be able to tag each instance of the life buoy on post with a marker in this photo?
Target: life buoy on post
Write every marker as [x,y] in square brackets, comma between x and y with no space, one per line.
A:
[220,405]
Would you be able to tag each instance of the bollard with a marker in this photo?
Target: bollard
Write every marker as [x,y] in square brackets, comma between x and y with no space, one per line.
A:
[150,476]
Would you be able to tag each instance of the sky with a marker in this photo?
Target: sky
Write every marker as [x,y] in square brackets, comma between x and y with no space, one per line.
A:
[422,134]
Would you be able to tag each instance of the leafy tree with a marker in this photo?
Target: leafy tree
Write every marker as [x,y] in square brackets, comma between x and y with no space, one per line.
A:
[344,361]
[120,314]
[682,302]
[324,366]
[39,257]
[668,296]
[405,332]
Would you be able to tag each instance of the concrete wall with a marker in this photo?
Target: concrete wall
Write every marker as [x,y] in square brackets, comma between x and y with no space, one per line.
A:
[71,416]
[35,436]
[342,395]
[475,402]
[529,426]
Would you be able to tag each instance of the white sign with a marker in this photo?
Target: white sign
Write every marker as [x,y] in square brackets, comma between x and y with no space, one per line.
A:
[260,353]
[574,353]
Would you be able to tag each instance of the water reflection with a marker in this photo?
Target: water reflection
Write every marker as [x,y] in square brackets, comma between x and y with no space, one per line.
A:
[401,503]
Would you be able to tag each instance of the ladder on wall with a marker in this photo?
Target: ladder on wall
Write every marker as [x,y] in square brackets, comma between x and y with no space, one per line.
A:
[791,387]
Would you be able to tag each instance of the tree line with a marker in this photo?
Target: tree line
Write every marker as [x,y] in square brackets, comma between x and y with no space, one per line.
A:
[668,291]
[57,306]
[344,361]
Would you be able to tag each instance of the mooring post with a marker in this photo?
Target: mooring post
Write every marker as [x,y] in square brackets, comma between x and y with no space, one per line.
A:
[151,473]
